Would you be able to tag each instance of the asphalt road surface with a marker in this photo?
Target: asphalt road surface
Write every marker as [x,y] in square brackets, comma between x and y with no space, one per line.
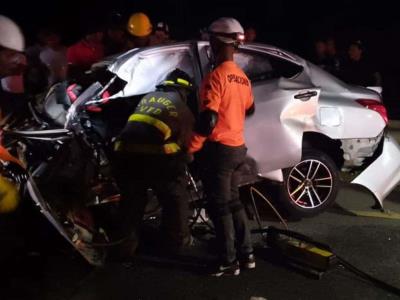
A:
[370,243]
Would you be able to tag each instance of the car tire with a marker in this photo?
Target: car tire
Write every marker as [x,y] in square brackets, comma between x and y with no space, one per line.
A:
[311,186]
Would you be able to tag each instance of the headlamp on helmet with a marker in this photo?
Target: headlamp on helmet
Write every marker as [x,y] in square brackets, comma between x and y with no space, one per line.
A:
[227,30]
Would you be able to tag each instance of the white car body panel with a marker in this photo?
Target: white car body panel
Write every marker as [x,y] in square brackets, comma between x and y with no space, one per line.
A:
[382,176]
[377,89]
[280,127]
[153,64]
[274,134]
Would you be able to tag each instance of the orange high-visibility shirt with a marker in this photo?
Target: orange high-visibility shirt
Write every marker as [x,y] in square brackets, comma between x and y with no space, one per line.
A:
[227,91]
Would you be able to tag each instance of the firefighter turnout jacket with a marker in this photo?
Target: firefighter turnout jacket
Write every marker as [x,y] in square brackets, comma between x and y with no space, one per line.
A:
[161,124]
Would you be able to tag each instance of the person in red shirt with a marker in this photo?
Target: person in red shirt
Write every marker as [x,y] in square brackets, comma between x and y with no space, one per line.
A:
[226,97]
[86,52]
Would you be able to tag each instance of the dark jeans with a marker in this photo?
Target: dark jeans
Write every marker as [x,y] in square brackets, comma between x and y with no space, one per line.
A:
[164,175]
[226,210]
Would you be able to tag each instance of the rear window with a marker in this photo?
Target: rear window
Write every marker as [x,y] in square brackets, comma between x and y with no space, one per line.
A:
[261,66]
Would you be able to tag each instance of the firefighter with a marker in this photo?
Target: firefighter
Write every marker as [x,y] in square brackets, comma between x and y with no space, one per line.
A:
[11,58]
[226,97]
[140,29]
[151,153]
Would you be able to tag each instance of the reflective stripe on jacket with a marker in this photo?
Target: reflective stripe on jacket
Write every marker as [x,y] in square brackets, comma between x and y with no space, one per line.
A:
[161,123]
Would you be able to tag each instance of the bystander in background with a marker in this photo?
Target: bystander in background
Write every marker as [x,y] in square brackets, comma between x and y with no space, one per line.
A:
[54,56]
[161,34]
[86,52]
[358,69]
[116,35]
[319,53]
[250,34]
[333,61]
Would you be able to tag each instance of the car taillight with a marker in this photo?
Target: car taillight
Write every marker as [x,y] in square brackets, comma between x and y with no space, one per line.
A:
[376,106]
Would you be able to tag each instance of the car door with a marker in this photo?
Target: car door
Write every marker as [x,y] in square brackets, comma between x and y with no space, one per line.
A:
[285,107]
[142,70]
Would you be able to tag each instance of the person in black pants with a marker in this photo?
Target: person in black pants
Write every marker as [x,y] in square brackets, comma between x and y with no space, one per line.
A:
[221,182]
[151,153]
[226,97]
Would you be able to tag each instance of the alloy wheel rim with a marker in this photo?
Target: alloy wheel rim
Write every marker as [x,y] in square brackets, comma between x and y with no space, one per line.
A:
[310,183]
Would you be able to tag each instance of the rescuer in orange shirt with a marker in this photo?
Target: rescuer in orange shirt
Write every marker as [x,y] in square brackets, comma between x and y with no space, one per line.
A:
[226,98]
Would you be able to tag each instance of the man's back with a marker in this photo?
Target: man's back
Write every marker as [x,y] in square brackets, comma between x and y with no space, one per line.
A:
[227,91]
[159,118]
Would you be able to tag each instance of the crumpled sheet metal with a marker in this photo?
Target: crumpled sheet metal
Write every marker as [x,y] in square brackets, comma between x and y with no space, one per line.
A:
[274,133]
[382,176]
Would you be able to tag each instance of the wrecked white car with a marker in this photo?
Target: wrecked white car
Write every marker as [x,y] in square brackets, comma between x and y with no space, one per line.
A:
[307,127]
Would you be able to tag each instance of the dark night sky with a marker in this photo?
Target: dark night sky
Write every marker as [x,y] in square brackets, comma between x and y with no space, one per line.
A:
[289,24]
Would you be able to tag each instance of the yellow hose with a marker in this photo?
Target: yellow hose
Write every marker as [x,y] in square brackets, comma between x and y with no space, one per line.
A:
[9,196]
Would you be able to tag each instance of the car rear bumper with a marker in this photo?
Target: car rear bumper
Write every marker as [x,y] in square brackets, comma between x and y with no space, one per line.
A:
[382,176]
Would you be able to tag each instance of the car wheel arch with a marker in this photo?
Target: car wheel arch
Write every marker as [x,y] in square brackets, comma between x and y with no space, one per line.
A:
[327,145]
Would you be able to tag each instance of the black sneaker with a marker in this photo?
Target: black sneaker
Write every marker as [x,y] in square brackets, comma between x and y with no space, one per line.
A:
[231,269]
[248,261]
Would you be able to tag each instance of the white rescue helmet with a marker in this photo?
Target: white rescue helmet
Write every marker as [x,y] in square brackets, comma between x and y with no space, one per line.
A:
[227,30]
[11,36]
